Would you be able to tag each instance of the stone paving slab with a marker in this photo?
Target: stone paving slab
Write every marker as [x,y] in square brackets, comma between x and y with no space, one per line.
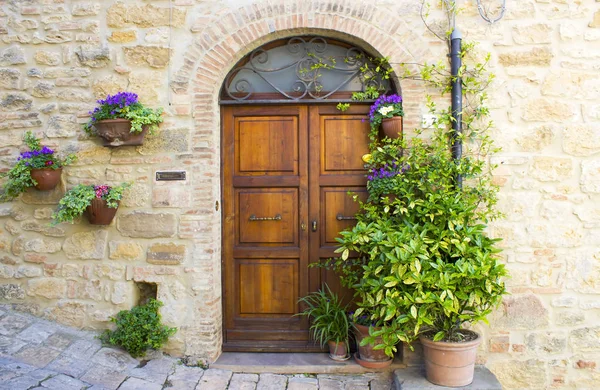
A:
[36,354]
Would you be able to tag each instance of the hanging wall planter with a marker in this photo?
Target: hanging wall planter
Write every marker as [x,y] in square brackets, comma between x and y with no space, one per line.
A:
[38,167]
[46,178]
[392,127]
[117,132]
[121,120]
[100,203]
[98,212]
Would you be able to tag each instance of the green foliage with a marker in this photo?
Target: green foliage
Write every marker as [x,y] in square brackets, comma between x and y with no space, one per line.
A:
[37,157]
[343,106]
[329,320]
[425,263]
[76,200]
[139,329]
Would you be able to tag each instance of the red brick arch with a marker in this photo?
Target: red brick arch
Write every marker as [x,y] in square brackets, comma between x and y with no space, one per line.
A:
[221,42]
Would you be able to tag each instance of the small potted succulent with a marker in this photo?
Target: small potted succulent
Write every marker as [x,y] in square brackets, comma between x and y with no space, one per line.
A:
[100,203]
[387,111]
[329,321]
[121,119]
[37,167]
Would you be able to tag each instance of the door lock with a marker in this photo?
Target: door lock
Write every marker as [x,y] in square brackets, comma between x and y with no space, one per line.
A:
[314,226]
[303,226]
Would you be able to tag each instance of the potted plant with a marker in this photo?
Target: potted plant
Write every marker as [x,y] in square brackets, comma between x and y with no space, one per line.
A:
[367,355]
[387,111]
[329,321]
[428,266]
[121,119]
[37,167]
[99,202]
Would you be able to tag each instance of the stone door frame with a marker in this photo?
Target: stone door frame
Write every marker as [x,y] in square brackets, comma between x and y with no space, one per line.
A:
[219,46]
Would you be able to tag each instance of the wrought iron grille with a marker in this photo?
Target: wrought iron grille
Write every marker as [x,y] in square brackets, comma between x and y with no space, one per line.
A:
[302,69]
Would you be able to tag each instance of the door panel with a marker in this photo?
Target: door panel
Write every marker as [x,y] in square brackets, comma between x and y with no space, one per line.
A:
[259,280]
[268,216]
[286,176]
[343,138]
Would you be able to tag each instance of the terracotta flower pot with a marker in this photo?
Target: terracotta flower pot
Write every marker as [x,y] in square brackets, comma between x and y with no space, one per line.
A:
[99,213]
[338,350]
[117,132]
[450,364]
[392,127]
[47,178]
[367,356]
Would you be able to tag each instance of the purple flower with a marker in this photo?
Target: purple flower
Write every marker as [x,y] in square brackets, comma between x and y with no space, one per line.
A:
[383,101]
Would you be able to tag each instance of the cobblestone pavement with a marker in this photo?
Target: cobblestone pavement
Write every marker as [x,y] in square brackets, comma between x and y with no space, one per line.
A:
[41,355]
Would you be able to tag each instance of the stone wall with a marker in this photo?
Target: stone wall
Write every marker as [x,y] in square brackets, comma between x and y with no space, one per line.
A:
[58,56]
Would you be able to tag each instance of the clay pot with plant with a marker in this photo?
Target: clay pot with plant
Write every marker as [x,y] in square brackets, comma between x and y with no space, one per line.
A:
[100,203]
[121,119]
[388,113]
[329,321]
[39,167]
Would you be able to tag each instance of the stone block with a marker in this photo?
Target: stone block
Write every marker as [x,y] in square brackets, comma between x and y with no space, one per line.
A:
[45,57]
[43,213]
[105,377]
[43,245]
[590,176]
[35,197]
[166,254]
[551,168]
[51,288]
[585,339]
[414,379]
[121,15]
[93,56]
[61,126]
[549,110]
[15,102]
[43,90]
[37,355]
[139,384]
[539,56]
[12,55]
[10,78]
[153,56]
[532,34]
[85,9]
[43,228]
[546,342]
[123,36]
[142,224]
[520,312]
[11,291]
[114,359]
[86,245]
[69,313]
[125,250]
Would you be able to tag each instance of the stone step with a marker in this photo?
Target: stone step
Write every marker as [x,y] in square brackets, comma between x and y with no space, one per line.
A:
[413,378]
[292,363]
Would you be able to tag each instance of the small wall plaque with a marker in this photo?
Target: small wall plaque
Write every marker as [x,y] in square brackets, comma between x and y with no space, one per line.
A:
[170,175]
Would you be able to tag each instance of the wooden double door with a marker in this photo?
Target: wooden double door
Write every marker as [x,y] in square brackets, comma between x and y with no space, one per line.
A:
[287,171]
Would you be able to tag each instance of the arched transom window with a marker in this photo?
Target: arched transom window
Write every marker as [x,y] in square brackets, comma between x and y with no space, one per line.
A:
[303,69]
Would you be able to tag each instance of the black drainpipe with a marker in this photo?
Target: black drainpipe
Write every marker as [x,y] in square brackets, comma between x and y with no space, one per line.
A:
[455,64]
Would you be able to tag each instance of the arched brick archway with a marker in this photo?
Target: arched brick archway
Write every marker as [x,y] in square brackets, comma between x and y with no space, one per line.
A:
[221,43]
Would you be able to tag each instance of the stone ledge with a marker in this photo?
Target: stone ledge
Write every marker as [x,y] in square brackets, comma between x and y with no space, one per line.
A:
[414,379]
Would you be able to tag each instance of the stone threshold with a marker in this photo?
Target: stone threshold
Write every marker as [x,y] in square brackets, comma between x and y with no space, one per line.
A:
[292,363]
[413,378]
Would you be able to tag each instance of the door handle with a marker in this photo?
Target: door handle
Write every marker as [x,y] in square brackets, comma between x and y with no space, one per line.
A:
[314,225]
